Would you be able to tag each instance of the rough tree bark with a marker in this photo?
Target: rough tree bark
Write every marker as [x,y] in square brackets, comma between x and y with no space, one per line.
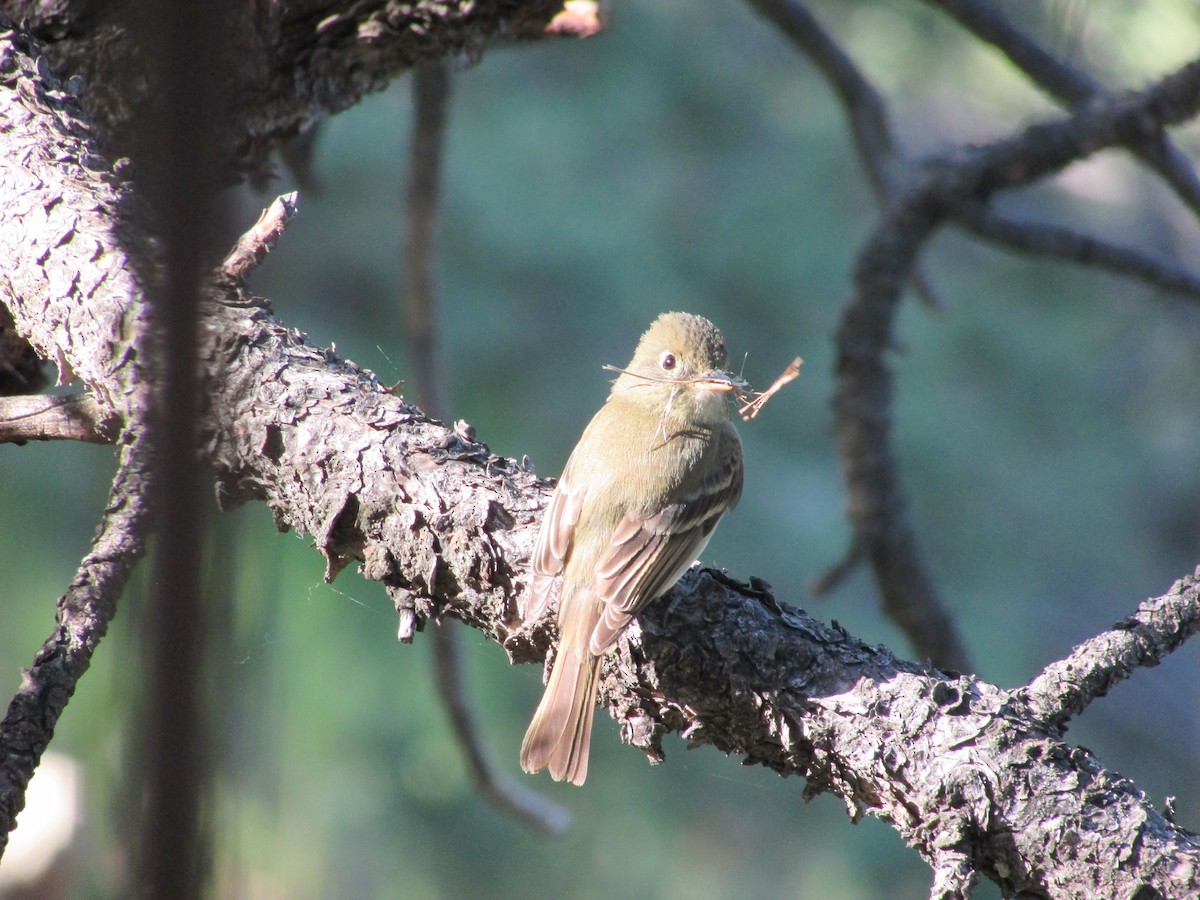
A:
[977,779]
[297,61]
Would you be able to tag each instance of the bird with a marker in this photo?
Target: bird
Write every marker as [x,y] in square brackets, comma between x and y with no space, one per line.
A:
[653,473]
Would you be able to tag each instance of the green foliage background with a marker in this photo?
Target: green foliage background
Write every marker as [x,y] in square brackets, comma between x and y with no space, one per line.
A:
[1047,424]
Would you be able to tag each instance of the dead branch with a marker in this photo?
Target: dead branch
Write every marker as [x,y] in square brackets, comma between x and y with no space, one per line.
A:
[77,417]
[253,246]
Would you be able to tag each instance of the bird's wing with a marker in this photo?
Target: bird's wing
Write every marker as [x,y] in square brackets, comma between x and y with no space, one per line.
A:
[646,556]
[554,541]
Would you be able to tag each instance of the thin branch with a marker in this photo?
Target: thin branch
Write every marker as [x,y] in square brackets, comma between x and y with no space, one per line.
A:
[1157,627]
[431,88]
[865,107]
[506,794]
[1043,239]
[917,610]
[1072,87]
[1048,147]
[253,246]
[862,401]
[41,417]
[84,614]
[874,137]
[840,570]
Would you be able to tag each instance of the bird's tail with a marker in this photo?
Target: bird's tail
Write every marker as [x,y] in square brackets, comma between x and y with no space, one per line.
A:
[561,731]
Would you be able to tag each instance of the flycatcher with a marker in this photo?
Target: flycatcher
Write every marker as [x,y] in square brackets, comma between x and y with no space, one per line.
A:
[653,473]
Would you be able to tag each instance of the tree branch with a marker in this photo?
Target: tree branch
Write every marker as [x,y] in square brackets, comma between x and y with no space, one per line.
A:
[1072,87]
[862,402]
[1157,627]
[1041,239]
[866,110]
[953,763]
[513,798]
[50,225]
[73,292]
[47,418]
[918,612]
[84,614]
[297,62]
[865,107]
[910,597]
[253,246]
[431,90]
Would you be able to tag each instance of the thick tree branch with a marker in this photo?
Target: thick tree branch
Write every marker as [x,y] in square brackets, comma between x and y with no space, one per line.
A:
[440,519]
[443,520]
[67,226]
[297,62]
[72,291]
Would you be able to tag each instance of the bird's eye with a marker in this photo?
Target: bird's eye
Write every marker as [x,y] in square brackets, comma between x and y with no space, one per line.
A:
[667,360]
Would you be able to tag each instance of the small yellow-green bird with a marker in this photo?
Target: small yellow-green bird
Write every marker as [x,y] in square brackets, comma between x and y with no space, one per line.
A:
[653,473]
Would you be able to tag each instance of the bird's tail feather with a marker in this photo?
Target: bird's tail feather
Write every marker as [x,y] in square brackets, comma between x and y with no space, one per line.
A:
[561,731]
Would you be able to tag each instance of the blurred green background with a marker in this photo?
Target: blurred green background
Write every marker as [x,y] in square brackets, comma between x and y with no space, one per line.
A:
[1048,425]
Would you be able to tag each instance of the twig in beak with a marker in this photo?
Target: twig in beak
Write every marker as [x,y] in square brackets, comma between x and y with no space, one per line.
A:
[751,408]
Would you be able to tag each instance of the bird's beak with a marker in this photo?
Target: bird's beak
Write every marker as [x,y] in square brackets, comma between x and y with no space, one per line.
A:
[718,382]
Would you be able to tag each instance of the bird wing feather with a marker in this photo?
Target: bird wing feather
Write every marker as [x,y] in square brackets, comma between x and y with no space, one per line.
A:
[646,556]
[554,541]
